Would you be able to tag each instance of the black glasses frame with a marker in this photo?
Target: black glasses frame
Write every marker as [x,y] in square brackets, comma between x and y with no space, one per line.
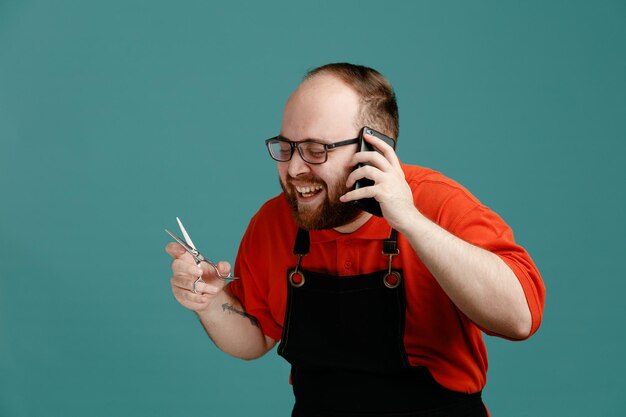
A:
[294,145]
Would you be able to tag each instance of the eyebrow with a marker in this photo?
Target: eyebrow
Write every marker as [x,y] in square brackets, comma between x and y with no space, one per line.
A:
[305,140]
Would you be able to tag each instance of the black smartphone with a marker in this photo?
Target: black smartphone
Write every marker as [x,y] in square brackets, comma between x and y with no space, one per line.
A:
[370,204]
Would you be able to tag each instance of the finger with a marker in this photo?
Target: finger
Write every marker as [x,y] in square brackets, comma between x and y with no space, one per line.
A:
[184,266]
[365,192]
[388,152]
[203,287]
[372,158]
[366,171]
[184,283]
[210,272]
[378,143]
[178,252]
[224,267]
[191,300]
[175,250]
[184,275]
[193,285]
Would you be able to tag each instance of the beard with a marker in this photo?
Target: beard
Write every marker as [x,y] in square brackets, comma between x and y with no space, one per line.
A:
[330,213]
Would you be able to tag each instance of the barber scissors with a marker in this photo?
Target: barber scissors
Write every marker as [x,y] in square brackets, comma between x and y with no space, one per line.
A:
[197,256]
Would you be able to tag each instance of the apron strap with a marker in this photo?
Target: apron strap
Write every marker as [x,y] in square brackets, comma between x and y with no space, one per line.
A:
[302,244]
[390,246]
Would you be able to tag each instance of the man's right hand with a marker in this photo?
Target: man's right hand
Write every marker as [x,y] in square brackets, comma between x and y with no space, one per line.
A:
[185,272]
[222,316]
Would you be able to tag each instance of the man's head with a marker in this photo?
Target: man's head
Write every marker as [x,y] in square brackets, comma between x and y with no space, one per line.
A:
[378,107]
[332,104]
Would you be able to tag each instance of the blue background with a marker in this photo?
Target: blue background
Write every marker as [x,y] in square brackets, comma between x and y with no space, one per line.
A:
[117,116]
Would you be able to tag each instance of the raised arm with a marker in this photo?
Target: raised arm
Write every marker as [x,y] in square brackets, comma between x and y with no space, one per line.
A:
[479,282]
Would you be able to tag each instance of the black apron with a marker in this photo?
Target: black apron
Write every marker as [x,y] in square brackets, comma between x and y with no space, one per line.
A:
[343,337]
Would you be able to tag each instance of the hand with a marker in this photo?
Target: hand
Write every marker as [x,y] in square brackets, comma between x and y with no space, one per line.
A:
[185,272]
[390,188]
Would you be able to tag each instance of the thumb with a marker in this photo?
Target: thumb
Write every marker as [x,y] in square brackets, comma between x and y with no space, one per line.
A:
[224,268]
[175,250]
[210,270]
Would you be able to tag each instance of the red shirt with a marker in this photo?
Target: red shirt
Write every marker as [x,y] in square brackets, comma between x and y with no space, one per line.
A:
[437,334]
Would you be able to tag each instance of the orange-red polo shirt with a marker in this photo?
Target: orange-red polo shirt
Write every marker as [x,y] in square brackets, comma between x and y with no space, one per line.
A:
[437,334]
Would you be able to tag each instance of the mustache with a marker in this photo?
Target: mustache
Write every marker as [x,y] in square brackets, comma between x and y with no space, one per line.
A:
[306,178]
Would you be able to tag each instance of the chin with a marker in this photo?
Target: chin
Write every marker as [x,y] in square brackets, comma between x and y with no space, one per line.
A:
[323,211]
[326,216]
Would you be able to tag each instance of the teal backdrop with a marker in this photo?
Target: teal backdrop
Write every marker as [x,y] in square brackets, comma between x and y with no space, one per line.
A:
[118,116]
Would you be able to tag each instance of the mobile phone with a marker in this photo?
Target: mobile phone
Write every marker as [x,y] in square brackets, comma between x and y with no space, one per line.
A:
[370,204]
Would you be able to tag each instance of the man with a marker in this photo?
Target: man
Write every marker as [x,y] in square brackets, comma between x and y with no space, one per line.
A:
[377,316]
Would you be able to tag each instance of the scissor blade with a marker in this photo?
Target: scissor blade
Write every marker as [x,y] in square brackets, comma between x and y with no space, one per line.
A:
[185,234]
[184,244]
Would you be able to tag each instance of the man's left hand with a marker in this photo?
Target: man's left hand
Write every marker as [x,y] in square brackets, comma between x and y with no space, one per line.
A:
[390,188]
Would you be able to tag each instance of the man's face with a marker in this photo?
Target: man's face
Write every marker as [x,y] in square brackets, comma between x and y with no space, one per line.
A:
[323,109]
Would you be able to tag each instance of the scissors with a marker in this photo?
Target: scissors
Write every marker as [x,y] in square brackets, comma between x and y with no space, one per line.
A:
[197,256]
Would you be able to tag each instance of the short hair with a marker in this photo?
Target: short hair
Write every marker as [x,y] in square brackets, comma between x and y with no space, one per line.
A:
[379,108]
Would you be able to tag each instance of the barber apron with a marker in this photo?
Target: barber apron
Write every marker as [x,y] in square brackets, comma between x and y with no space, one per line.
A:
[343,337]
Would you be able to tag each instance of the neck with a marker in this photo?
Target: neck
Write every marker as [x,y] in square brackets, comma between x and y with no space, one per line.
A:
[354,225]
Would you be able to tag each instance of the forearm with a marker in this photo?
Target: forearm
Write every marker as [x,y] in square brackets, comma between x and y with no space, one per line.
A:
[477,281]
[232,329]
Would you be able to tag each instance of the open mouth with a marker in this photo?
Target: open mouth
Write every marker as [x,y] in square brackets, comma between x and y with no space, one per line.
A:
[309,191]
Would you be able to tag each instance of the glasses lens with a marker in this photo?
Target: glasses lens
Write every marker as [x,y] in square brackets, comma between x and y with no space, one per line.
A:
[279,149]
[313,152]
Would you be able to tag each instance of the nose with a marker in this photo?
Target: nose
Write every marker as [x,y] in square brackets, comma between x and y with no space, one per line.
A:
[297,165]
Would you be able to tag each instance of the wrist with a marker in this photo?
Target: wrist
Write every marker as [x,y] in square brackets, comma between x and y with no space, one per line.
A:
[208,313]
[409,222]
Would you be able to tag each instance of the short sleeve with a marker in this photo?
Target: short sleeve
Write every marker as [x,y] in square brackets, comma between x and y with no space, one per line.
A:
[484,228]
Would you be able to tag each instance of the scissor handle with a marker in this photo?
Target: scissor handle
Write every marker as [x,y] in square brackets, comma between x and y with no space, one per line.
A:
[199,258]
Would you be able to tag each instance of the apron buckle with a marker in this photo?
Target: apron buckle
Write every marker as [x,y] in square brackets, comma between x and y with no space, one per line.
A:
[392,278]
[296,278]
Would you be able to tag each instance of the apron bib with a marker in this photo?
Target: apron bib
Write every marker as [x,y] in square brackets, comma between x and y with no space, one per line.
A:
[344,339]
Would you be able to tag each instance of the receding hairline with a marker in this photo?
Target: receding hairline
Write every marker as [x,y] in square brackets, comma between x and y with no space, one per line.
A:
[359,117]
[378,106]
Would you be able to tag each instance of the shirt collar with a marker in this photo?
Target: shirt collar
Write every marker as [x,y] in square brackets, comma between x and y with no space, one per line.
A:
[376,228]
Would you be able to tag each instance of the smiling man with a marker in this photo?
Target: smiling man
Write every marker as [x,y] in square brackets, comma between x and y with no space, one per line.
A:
[376,315]
[313,192]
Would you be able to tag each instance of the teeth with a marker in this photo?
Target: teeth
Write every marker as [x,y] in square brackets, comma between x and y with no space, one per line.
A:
[307,191]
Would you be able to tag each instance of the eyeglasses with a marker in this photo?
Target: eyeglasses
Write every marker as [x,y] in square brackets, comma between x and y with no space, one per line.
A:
[310,151]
